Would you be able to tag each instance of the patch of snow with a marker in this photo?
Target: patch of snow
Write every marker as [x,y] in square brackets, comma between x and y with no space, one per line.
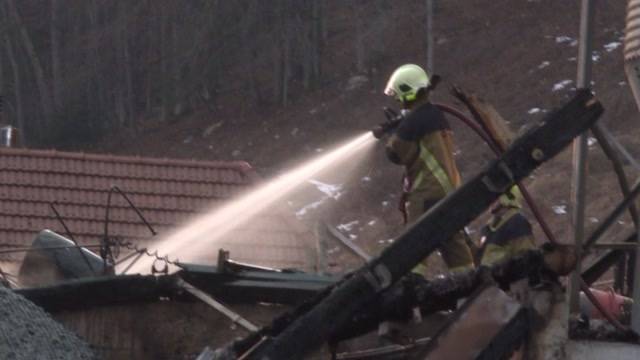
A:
[303,210]
[333,250]
[348,226]
[236,153]
[366,179]
[573,43]
[563,39]
[385,203]
[591,141]
[612,46]
[210,129]
[353,237]
[313,111]
[276,136]
[534,110]
[594,220]
[621,222]
[559,209]
[622,83]
[331,190]
[572,59]
[544,64]
[356,81]
[371,223]
[595,56]
[561,85]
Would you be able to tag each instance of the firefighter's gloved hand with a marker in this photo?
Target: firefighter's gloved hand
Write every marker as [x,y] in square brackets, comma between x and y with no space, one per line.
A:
[385,128]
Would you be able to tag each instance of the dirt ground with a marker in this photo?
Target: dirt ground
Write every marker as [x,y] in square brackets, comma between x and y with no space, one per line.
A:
[520,56]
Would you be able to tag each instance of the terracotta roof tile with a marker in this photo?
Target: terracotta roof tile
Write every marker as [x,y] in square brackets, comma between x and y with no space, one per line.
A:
[167,191]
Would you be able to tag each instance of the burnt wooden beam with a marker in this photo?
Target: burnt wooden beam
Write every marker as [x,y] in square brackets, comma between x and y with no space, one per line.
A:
[334,311]
[439,294]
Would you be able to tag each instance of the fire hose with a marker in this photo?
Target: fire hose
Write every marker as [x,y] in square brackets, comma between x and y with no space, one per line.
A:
[480,128]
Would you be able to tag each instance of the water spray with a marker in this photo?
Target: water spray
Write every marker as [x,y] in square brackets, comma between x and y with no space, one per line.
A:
[199,236]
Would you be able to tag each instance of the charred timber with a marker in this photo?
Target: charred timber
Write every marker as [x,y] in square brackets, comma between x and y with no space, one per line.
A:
[335,310]
[441,294]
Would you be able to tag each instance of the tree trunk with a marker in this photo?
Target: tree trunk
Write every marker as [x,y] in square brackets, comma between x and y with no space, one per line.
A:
[286,54]
[359,39]
[163,66]
[249,19]
[96,94]
[55,55]
[316,39]
[17,91]
[45,94]
[126,60]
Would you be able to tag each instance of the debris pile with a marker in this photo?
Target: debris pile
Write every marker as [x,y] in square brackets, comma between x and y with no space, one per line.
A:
[27,332]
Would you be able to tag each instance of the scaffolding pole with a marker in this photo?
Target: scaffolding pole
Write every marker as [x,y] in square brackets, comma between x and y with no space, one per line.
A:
[580,148]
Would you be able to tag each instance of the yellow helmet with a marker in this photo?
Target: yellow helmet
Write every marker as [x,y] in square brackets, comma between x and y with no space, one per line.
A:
[406,81]
[512,198]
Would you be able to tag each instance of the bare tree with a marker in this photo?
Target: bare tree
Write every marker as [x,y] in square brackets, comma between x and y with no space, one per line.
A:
[34,59]
[17,90]
[55,54]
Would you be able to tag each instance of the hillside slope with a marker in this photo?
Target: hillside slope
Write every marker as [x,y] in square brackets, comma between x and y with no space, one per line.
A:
[520,56]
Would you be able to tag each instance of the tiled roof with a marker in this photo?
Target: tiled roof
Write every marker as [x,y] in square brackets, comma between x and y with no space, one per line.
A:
[167,191]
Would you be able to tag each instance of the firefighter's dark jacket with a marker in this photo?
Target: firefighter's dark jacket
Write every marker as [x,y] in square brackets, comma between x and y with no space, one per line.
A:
[423,144]
[503,230]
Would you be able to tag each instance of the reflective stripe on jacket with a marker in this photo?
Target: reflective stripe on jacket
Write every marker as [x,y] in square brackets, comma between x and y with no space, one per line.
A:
[423,144]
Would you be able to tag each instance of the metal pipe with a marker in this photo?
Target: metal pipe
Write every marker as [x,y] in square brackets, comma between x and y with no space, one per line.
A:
[613,215]
[580,148]
[617,168]
[207,299]
[632,68]
[621,149]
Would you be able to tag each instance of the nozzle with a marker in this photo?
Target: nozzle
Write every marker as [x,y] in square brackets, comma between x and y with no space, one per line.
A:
[378,131]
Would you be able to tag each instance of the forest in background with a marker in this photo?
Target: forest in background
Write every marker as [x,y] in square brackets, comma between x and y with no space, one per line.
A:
[73,71]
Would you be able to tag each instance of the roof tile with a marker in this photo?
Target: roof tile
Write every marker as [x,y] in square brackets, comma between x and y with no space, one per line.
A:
[167,191]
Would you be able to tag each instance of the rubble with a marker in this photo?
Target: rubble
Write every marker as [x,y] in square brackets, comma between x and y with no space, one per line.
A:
[27,332]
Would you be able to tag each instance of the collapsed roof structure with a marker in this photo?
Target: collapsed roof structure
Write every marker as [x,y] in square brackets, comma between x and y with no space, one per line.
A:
[120,315]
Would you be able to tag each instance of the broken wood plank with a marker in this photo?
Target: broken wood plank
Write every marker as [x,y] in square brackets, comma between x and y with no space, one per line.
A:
[207,299]
[348,244]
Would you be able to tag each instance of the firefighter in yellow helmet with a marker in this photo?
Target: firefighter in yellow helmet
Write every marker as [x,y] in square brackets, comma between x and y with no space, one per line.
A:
[423,144]
[507,233]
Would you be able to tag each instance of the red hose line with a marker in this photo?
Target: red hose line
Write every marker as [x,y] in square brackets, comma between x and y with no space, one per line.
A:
[498,151]
[534,209]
